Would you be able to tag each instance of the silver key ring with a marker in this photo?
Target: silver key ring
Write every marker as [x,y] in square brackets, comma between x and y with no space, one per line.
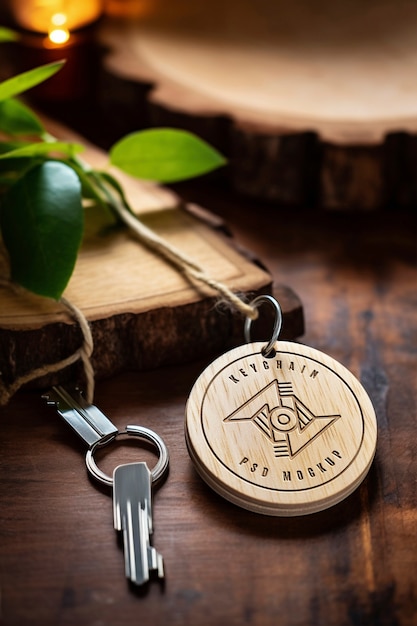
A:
[157,472]
[277,322]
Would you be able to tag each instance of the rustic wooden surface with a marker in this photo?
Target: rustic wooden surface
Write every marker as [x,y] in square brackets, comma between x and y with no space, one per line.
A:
[354,564]
[143,311]
[312,100]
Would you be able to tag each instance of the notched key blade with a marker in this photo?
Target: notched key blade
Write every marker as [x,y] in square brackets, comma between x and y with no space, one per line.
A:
[157,561]
[133,517]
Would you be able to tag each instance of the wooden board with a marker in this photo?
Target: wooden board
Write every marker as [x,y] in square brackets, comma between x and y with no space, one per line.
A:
[143,312]
[314,101]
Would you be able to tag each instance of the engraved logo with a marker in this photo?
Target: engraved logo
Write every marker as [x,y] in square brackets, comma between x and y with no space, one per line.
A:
[283,419]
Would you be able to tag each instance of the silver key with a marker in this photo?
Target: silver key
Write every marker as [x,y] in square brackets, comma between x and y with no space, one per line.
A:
[132,483]
[132,511]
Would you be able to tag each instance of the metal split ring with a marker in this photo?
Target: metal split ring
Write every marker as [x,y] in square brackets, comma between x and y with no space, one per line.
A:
[157,472]
[257,302]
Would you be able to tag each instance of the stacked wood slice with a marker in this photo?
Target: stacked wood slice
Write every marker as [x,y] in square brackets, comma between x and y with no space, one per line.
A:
[143,312]
[314,102]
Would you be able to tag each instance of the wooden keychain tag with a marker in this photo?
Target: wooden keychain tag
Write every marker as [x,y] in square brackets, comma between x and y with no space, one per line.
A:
[280,429]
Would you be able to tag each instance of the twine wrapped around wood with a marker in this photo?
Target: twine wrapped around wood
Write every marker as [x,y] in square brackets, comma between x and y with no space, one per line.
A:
[182,262]
[84,353]
[158,245]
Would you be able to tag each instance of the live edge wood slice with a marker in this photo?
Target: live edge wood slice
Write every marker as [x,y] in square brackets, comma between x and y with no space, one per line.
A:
[143,312]
[314,101]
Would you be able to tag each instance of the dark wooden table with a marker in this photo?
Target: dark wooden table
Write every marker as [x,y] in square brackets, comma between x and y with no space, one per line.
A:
[356,564]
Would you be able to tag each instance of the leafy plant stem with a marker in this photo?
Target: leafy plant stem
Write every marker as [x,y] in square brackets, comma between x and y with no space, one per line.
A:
[45,185]
[122,210]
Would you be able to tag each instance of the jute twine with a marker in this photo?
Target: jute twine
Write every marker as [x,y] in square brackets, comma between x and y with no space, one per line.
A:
[181,262]
[83,352]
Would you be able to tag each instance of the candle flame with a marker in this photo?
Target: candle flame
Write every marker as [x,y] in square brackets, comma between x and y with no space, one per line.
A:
[58,32]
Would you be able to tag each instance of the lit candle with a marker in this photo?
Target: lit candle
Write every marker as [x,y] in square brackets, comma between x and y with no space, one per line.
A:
[55,30]
[58,32]
[40,15]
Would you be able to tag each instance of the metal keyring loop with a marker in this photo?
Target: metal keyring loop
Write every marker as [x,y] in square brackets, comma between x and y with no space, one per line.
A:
[277,322]
[136,431]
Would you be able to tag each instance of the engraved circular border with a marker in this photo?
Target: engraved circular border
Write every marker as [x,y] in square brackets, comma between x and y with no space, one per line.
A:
[343,381]
[274,489]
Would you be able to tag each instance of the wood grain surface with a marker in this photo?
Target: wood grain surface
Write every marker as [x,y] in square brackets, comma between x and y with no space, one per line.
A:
[287,434]
[354,564]
[313,101]
[143,310]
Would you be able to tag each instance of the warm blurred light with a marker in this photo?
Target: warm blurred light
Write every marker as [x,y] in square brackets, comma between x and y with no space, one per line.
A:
[35,15]
[58,33]
[59,19]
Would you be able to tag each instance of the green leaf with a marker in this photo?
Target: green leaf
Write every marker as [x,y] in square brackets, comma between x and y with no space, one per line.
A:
[8,146]
[10,175]
[114,183]
[165,155]
[116,186]
[14,167]
[17,119]
[6,34]
[42,222]
[41,148]
[22,82]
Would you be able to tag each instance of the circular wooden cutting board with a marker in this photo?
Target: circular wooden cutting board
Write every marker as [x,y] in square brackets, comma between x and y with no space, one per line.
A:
[313,100]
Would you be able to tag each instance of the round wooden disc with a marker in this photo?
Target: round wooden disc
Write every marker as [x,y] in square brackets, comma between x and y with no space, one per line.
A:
[287,435]
[339,68]
[314,102]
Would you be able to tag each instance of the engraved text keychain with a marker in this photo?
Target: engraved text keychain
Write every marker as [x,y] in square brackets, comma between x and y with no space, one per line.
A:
[280,428]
